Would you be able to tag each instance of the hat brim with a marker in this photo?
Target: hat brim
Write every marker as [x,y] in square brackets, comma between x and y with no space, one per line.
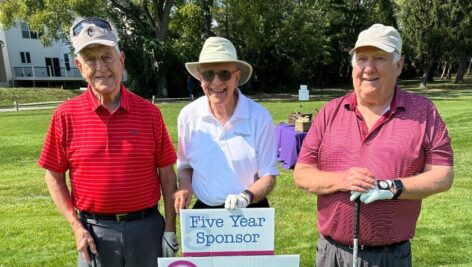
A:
[91,42]
[382,46]
[244,67]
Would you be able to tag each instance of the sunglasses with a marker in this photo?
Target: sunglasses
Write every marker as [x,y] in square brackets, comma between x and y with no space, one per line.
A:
[224,75]
[101,23]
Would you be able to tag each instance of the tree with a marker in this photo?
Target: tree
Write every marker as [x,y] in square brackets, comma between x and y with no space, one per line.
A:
[254,28]
[142,25]
[421,25]
[461,34]
[381,11]
[206,6]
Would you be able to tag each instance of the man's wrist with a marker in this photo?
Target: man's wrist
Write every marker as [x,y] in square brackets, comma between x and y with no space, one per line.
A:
[250,195]
[397,188]
[387,185]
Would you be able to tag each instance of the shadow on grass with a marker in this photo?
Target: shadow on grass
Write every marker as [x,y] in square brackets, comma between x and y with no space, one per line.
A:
[441,88]
[438,89]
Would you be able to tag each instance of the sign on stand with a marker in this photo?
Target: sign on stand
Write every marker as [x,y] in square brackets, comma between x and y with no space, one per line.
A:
[303,93]
[220,237]
[235,261]
[222,232]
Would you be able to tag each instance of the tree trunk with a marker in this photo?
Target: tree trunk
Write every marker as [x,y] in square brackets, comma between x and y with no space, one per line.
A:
[424,78]
[437,70]
[207,18]
[162,90]
[431,72]
[461,69]
[444,68]
[470,63]
[449,71]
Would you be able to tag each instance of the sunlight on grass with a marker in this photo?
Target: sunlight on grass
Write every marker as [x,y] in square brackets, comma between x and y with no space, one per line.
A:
[32,233]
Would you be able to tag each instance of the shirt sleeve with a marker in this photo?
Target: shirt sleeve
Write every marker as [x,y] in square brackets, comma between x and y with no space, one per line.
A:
[266,149]
[53,156]
[182,160]
[312,142]
[165,153]
[438,142]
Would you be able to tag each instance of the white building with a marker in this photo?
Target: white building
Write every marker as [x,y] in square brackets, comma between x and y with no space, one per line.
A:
[25,62]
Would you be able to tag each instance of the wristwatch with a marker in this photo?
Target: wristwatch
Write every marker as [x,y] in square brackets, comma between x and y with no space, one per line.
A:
[398,185]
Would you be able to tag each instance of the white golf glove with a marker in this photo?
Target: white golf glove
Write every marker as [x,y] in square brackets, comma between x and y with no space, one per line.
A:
[237,201]
[170,246]
[380,192]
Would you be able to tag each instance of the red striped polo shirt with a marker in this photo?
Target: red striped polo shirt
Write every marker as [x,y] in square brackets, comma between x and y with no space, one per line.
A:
[112,157]
[406,138]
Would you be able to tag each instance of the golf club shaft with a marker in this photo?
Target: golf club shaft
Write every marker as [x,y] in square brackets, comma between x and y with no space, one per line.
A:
[92,255]
[357,210]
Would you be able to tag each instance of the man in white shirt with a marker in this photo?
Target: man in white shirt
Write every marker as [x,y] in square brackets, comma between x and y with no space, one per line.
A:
[227,152]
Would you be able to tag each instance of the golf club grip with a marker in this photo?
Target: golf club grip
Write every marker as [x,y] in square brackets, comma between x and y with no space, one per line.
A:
[357,211]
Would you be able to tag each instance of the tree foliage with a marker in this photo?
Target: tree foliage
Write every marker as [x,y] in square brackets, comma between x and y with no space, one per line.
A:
[436,30]
[287,42]
[142,25]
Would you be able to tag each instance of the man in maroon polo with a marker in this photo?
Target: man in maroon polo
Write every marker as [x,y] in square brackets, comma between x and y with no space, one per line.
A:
[119,156]
[388,147]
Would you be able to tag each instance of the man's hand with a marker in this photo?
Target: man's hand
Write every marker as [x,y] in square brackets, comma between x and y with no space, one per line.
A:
[85,244]
[357,179]
[381,192]
[237,201]
[182,199]
[170,246]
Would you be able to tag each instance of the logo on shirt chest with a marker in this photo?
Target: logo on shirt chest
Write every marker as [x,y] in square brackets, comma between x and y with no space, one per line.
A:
[243,135]
[134,131]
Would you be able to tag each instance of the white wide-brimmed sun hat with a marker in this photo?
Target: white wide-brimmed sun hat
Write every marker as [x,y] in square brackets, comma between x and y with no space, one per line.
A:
[220,50]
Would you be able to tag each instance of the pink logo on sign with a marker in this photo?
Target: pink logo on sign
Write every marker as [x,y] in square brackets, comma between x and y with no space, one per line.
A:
[182,263]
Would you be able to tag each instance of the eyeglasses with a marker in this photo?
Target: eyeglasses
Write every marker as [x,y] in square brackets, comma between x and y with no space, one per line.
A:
[224,75]
[96,21]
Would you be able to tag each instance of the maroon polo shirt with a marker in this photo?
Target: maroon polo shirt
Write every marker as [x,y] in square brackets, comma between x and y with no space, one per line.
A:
[112,157]
[406,138]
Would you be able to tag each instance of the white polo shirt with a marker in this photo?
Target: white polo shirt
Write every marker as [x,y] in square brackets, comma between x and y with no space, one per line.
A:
[225,159]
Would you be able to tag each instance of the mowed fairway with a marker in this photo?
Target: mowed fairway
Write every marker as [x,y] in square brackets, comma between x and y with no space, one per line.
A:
[33,233]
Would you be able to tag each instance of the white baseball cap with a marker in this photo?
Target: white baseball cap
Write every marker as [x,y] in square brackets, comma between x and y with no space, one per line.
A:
[92,31]
[383,37]
[220,50]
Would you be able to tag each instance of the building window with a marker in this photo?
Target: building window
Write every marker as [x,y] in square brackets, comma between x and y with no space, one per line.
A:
[25,57]
[66,61]
[26,33]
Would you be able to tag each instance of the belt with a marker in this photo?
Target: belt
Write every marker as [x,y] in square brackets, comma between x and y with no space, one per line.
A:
[200,205]
[120,217]
[385,248]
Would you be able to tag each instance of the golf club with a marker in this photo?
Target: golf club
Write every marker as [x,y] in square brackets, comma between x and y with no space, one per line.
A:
[355,247]
[92,255]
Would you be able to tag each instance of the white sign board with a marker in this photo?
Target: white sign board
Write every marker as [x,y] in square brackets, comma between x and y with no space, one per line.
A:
[221,232]
[240,261]
[303,93]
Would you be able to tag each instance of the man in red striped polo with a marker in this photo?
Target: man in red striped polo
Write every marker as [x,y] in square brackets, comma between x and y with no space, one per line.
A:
[119,156]
[388,147]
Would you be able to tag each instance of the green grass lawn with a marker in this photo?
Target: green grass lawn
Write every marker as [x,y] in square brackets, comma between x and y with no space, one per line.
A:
[33,233]
[30,95]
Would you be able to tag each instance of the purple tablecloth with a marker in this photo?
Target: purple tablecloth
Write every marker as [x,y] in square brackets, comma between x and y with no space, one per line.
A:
[289,143]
